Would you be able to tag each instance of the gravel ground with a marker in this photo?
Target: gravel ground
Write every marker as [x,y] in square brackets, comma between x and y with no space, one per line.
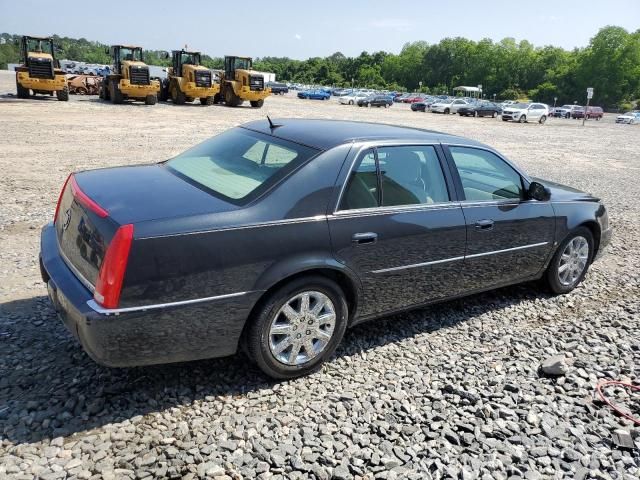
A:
[451,391]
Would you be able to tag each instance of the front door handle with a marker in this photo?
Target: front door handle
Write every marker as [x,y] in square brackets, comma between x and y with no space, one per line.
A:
[486,224]
[364,238]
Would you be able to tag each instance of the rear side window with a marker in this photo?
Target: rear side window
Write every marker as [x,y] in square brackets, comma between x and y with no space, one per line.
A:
[239,164]
[396,176]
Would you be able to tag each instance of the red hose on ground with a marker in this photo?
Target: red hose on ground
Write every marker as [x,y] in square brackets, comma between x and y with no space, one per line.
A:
[612,405]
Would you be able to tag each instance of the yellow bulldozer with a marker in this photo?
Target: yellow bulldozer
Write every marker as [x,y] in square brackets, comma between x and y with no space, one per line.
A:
[238,83]
[39,71]
[129,77]
[187,80]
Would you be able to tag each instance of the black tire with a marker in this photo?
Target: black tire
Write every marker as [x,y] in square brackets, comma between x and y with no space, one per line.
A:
[257,338]
[230,97]
[207,101]
[21,92]
[150,100]
[105,90]
[63,95]
[257,103]
[475,113]
[162,93]
[115,93]
[177,96]
[552,273]
[217,98]
[522,119]
[447,111]
[350,102]
[493,114]
[543,119]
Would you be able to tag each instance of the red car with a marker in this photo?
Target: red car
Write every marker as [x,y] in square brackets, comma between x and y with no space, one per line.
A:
[413,98]
[592,112]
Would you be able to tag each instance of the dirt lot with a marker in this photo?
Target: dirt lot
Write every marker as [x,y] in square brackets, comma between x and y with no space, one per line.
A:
[489,344]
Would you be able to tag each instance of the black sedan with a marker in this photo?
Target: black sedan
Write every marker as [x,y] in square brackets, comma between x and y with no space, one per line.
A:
[375,101]
[482,109]
[277,236]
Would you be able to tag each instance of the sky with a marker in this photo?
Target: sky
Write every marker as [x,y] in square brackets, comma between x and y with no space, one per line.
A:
[303,29]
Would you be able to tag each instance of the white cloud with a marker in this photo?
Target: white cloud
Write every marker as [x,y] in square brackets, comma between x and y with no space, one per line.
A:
[297,36]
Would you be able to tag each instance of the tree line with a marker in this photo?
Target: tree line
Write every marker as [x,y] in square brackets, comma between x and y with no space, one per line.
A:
[507,69]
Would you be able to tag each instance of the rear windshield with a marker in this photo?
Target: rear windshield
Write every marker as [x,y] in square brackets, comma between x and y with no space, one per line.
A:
[239,165]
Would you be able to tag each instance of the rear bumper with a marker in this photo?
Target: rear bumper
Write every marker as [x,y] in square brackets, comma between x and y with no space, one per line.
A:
[144,337]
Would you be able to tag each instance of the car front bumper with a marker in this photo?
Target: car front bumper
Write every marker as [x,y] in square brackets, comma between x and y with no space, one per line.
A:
[605,240]
[143,337]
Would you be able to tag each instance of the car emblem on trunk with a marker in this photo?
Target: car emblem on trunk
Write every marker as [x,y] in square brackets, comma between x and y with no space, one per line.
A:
[67,219]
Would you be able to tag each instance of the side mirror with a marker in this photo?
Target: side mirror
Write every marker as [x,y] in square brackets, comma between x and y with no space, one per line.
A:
[539,192]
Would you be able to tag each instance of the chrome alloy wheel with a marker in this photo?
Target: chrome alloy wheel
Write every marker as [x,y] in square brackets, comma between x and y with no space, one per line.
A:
[302,328]
[573,260]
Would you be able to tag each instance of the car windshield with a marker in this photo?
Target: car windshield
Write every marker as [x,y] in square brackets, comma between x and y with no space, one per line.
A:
[567,106]
[239,164]
[519,105]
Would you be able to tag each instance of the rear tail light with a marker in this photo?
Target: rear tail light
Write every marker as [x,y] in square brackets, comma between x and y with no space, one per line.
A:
[113,268]
[64,187]
[84,199]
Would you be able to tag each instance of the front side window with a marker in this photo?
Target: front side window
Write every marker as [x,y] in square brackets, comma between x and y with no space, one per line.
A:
[396,176]
[239,164]
[485,176]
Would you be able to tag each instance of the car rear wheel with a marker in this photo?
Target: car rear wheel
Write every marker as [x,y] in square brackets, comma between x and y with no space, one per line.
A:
[493,115]
[350,102]
[298,327]
[543,119]
[446,111]
[571,261]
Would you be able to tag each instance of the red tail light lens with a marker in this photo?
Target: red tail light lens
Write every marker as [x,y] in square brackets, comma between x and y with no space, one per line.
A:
[84,199]
[64,187]
[113,268]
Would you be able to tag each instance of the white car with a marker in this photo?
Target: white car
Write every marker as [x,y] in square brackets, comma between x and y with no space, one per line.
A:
[448,106]
[526,112]
[565,111]
[352,99]
[507,103]
[630,117]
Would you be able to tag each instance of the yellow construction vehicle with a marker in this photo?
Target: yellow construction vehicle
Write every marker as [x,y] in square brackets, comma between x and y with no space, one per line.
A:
[239,83]
[39,71]
[129,77]
[187,80]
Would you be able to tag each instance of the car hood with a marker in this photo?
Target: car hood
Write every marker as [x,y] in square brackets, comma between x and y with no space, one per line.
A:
[564,193]
[146,192]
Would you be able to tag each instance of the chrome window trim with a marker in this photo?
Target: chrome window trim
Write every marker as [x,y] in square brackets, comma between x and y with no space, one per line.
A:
[454,259]
[375,144]
[367,212]
[116,311]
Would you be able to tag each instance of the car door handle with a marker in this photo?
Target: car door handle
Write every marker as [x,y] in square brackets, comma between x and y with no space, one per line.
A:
[484,224]
[364,238]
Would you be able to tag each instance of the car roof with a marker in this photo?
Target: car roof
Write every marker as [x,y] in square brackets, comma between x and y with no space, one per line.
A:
[326,134]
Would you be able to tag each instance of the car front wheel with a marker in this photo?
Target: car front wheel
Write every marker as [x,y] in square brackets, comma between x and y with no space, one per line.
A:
[298,327]
[522,118]
[571,261]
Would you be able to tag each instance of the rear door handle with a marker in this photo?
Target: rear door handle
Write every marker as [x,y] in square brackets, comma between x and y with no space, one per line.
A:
[486,224]
[364,238]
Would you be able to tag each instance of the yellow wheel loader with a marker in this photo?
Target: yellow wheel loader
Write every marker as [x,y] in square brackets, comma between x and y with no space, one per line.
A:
[129,77]
[39,71]
[239,83]
[187,80]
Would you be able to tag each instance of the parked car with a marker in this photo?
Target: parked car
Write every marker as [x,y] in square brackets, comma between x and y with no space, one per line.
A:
[352,98]
[400,98]
[630,117]
[199,255]
[314,94]
[526,112]
[414,97]
[592,112]
[375,101]
[278,88]
[450,105]
[424,105]
[565,111]
[480,109]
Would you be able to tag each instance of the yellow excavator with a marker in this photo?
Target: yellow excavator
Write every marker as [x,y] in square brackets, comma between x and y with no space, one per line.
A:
[187,80]
[238,83]
[129,77]
[39,71]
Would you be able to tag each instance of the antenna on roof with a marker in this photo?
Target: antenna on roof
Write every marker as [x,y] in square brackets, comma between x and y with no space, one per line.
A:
[272,125]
